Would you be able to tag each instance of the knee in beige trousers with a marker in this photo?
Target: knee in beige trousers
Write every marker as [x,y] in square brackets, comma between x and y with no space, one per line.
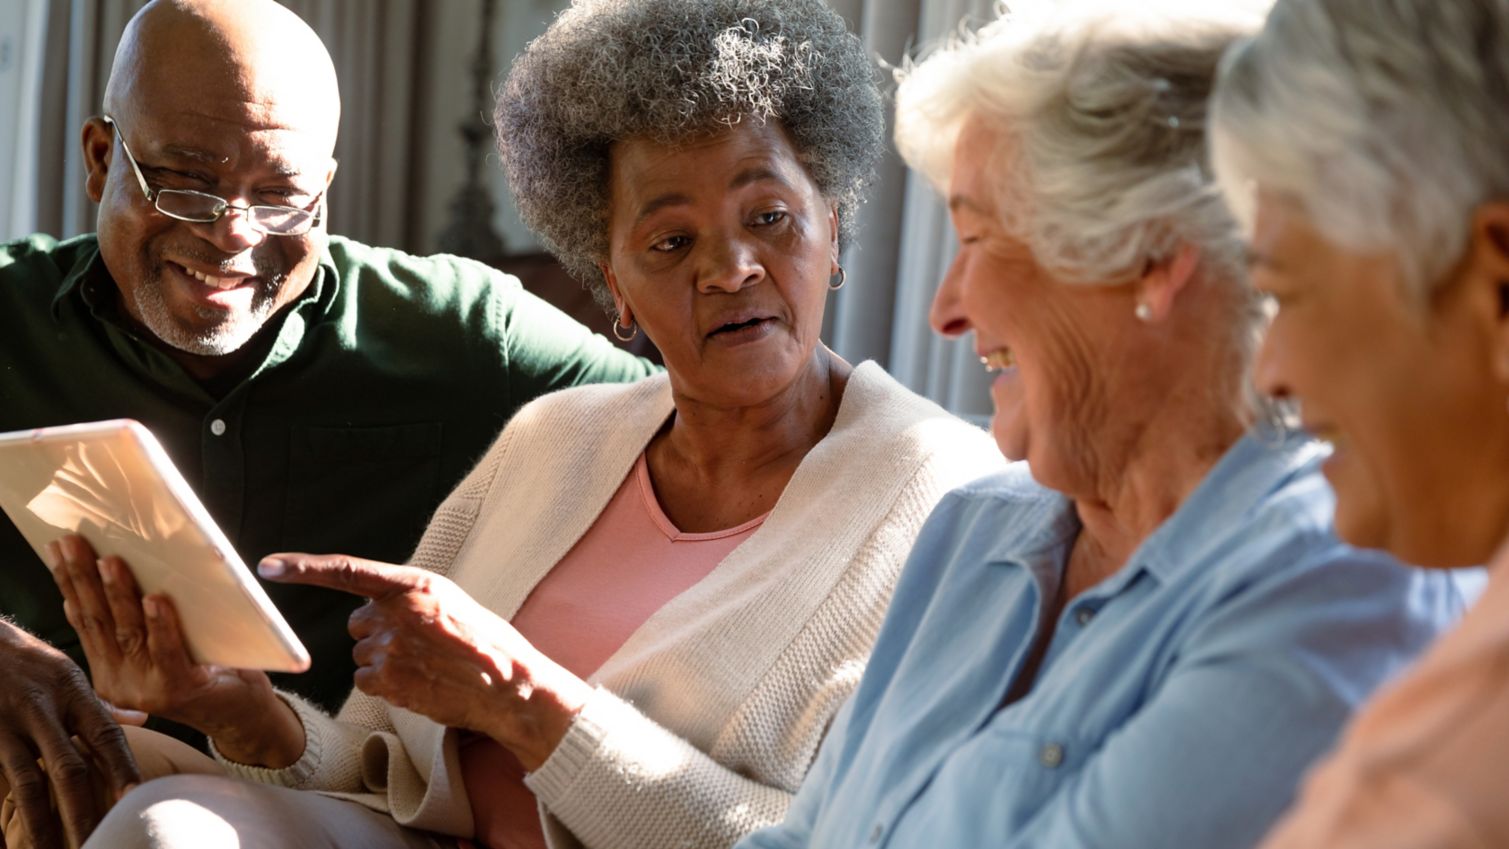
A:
[186,799]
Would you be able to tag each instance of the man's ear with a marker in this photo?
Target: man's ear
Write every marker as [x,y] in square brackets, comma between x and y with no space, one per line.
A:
[1161,284]
[625,316]
[98,141]
[1488,258]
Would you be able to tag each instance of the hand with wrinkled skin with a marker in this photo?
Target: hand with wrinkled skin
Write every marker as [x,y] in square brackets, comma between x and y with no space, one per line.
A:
[48,711]
[138,658]
[426,646]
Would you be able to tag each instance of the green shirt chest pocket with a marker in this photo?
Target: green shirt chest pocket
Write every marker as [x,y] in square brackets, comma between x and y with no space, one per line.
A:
[367,491]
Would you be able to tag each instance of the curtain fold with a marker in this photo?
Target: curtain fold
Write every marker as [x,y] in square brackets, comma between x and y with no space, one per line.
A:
[905,242]
[378,47]
[63,62]
[22,27]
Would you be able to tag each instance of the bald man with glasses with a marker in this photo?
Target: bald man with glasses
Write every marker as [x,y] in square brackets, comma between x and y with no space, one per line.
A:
[319,394]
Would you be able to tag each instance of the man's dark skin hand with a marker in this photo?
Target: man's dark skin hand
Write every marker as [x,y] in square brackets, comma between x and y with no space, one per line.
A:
[47,711]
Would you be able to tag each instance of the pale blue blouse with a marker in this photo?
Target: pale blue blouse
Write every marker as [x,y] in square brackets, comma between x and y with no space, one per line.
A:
[1179,701]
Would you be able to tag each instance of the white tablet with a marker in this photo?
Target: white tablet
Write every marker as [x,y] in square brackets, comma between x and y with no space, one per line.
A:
[112,483]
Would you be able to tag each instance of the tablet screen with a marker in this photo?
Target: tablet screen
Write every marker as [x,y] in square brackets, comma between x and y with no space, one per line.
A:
[112,483]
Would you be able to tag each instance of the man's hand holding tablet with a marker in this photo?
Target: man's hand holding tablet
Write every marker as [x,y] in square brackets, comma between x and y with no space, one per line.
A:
[138,659]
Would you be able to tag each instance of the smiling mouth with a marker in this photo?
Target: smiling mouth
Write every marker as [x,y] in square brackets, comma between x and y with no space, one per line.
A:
[211,280]
[998,360]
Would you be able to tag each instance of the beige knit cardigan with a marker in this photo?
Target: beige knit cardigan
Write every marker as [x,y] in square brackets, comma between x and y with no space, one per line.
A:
[705,720]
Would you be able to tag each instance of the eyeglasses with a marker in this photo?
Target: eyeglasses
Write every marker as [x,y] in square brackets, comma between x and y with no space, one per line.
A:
[203,208]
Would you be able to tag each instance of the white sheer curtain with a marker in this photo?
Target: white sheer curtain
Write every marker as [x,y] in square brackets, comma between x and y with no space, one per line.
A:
[20,84]
[905,243]
[55,58]
[60,56]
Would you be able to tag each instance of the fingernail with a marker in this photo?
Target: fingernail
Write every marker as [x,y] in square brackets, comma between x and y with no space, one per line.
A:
[271,567]
[107,574]
[53,554]
[152,606]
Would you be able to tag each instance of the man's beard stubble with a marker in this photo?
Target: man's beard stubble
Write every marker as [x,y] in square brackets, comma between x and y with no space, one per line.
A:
[225,336]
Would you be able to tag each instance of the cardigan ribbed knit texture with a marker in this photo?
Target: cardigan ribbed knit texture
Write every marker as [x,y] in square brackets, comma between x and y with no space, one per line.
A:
[706,719]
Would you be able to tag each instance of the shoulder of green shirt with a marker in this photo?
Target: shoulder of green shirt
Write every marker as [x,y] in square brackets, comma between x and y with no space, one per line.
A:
[459,295]
[443,271]
[537,336]
[42,248]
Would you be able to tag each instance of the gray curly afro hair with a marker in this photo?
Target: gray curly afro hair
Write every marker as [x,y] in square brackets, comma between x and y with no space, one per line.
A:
[670,70]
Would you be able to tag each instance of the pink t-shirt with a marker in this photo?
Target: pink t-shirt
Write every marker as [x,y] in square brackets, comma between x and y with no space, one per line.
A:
[623,569]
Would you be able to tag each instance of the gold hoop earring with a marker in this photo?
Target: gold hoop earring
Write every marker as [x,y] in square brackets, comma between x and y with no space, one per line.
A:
[633,330]
[834,287]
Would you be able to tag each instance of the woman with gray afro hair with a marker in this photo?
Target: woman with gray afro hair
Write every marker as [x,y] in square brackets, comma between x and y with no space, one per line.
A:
[670,71]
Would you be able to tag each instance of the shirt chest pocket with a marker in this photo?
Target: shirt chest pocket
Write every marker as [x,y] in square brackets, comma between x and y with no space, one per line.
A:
[1027,769]
[367,491]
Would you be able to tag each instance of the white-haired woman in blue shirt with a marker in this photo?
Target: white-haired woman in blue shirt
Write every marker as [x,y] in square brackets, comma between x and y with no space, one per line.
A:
[1144,640]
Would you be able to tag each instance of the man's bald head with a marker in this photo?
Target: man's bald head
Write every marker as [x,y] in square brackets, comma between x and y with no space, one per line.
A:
[235,99]
[224,57]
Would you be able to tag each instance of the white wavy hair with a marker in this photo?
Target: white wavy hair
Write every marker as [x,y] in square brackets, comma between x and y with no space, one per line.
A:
[1104,108]
[1385,119]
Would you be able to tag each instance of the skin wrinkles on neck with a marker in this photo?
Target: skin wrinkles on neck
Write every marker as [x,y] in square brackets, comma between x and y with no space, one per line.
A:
[1141,495]
[1124,417]
[1187,421]
[1158,466]
[711,232]
[751,450]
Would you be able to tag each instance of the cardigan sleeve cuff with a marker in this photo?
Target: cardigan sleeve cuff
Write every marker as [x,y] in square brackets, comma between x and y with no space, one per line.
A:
[298,773]
[580,747]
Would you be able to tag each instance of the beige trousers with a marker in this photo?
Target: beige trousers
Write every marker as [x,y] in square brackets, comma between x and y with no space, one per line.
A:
[186,799]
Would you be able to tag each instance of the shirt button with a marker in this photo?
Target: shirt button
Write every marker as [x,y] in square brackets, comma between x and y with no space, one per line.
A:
[217,427]
[876,832]
[1051,755]
[1083,616]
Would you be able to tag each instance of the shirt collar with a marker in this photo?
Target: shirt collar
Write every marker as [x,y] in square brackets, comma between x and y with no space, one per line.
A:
[87,267]
[1042,520]
[1250,471]
[1037,520]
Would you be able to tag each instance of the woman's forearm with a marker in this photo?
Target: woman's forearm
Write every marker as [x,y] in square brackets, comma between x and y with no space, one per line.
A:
[532,728]
[266,734]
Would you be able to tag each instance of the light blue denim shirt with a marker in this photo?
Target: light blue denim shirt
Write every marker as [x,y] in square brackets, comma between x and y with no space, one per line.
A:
[1178,704]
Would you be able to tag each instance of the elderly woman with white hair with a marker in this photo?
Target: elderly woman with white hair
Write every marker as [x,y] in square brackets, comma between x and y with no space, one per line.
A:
[1145,640]
[1381,231]
[639,614]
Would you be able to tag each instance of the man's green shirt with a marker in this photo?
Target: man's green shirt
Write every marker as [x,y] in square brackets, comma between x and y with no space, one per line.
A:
[385,382]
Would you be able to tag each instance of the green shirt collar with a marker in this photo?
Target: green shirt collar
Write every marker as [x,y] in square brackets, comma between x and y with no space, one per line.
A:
[83,278]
